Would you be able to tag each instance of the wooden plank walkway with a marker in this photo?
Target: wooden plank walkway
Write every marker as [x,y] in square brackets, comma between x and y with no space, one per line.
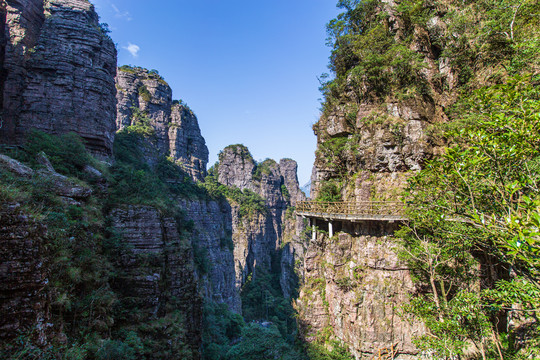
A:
[352,211]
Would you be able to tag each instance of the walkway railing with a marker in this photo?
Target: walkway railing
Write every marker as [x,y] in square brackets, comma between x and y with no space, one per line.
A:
[383,210]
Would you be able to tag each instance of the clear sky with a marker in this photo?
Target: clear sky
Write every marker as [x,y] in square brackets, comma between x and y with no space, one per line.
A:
[248,69]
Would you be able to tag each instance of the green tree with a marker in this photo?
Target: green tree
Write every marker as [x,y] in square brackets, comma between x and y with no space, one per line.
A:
[259,343]
[474,209]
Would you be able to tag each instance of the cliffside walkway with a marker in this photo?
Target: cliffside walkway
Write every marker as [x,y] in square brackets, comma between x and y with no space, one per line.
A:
[350,211]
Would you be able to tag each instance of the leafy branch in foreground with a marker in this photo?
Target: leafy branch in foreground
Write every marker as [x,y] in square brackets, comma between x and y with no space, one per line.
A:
[474,235]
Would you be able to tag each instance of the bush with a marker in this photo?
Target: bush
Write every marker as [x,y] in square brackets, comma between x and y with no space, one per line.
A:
[249,202]
[221,327]
[264,168]
[260,342]
[66,152]
[114,349]
[145,94]
[329,192]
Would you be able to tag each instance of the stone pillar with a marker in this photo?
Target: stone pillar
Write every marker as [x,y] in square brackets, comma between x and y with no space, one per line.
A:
[330,229]
[314,229]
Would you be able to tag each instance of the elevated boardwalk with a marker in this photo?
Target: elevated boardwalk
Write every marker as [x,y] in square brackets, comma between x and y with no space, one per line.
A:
[350,211]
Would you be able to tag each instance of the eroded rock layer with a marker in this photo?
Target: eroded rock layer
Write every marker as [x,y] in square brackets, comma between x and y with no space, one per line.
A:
[158,269]
[23,275]
[212,233]
[259,236]
[354,287]
[143,96]
[59,69]
[371,137]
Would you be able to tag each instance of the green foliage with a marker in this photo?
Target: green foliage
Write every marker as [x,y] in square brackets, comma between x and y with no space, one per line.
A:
[105,30]
[262,299]
[66,153]
[140,123]
[221,327]
[150,74]
[79,272]
[329,192]
[239,149]
[480,197]
[334,151]
[505,34]
[82,252]
[135,182]
[317,351]
[115,349]
[484,42]
[249,202]
[127,68]
[259,342]
[285,193]
[368,58]
[144,93]
[264,168]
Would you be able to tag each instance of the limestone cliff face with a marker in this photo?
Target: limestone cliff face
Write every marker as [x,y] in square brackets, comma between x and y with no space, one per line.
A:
[158,267]
[23,275]
[25,292]
[289,170]
[212,233]
[259,236]
[236,167]
[368,146]
[143,94]
[354,286]
[369,134]
[58,73]
[144,98]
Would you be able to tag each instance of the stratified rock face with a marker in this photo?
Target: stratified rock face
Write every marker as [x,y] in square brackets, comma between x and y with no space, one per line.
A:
[23,275]
[368,146]
[259,236]
[289,171]
[3,43]
[143,93]
[212,231]
[141,89]
[60,68]
[187,145]
[355,285]
[236,167]
[255,243]
[158,266]
[396,146]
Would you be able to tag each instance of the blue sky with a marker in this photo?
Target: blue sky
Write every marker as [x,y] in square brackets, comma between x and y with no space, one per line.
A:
[248,69]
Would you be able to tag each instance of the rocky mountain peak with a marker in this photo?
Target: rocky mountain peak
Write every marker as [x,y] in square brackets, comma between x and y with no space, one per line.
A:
[143,95]
[236,166]
[289,171]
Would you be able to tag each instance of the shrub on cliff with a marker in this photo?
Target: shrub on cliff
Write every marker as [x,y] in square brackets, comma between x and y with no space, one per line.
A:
[134,181]
[249,202]
[66,152]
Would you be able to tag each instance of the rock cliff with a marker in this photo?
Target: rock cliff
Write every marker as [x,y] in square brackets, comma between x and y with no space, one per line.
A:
[258,237]
[353,288]
[372,136]
[58,73]
[23,275]
[212,235]
[157,268]
[142,96]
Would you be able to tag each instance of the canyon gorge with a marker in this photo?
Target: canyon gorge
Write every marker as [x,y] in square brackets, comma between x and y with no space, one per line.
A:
[119,242]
